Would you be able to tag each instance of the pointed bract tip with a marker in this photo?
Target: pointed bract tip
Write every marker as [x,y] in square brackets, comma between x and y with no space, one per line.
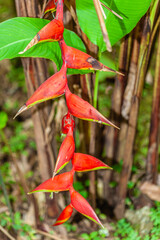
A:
[107,69]
[115,126]
[33,42]
[102,225]
[22,109]
[122,74]
[54,174]
[109,124]
[110,168]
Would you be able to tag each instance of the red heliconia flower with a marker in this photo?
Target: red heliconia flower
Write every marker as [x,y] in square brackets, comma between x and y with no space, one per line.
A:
[66,152]
[59,10]
[64,216]
[51,6]
[83,162]
[59,183]
[67,123]
[82,206]
[53,87]
[79,60]
[82,109]
[53,31]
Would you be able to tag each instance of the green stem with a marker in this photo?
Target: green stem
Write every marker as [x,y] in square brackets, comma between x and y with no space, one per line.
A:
[95,97]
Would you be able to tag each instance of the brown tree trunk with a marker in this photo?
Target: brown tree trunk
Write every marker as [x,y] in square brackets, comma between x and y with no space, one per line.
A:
[133,114]
[111,136]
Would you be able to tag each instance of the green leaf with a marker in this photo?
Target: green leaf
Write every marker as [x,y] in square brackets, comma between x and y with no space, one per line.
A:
[84,193]
[85,236]
[3,119]
[78,186]
[16,33]
[17,226]
[3,222]
[131,11]
[93,234]
[130,184]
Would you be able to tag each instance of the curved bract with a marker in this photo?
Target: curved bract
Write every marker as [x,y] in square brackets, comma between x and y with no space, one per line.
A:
[59,183]
[64,216]
[84,162]
[83,110]
[66,152]
[50,6]
[82,206]
[77,59]
[53,31]
[53,87]
[67,123]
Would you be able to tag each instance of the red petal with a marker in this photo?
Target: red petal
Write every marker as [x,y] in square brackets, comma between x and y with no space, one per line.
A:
[59,11]
[66,152]
[82,109]
[51,6]
[83,162]
[82,206]
[53,31]
[67,123]
[53,87]
[64,216]
[80,60]
[59,183]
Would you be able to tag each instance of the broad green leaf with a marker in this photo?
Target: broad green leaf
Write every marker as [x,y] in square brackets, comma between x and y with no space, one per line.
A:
[130,10]
[16,33]
[3,119]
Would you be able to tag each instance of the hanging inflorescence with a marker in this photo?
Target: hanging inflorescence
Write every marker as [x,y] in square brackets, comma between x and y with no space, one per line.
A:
[56,86]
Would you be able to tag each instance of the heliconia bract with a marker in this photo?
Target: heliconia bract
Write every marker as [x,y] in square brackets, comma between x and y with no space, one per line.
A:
[77,59]
[82,206]
[64,216]
[59,183]
[50,6]
[53,87]
[59,10]
[83,162]
[66,152]
[53,31]
[67,123]
[83,110]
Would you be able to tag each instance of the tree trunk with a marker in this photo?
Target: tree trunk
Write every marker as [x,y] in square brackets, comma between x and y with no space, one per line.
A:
[133,115]
[112,135]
